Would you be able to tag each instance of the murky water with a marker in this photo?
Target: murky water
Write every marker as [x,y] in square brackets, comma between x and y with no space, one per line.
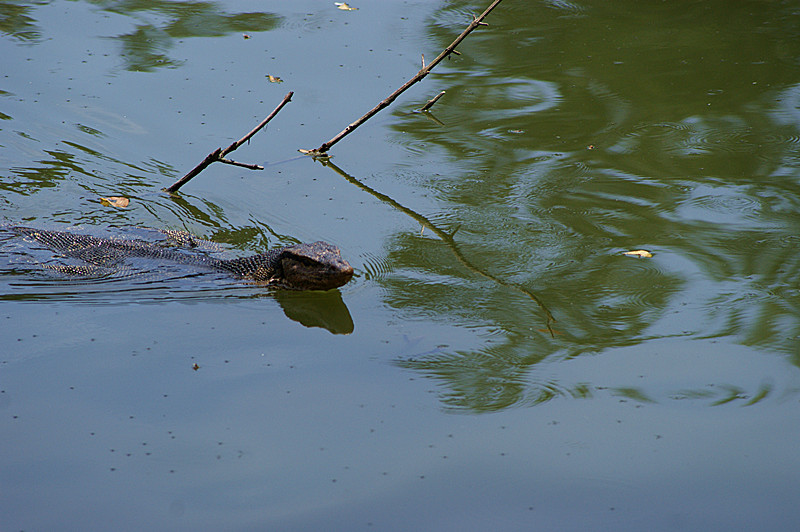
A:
[498,361]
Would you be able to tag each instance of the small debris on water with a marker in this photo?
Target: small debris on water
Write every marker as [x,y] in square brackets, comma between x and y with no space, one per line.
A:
[343,6]
[115,201]
[640,253]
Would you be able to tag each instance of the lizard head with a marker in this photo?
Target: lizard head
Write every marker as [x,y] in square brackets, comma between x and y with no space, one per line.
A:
[315,266]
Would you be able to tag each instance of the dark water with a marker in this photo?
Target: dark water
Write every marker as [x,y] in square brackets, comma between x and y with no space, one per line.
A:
[498,362]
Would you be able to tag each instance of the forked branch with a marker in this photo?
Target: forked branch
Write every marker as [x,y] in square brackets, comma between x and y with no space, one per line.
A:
[219,154]
[477,21]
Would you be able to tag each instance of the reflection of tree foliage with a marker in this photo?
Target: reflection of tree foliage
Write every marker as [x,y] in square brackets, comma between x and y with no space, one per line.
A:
[604,311]
[492,378]
[472,283]
[15,20]
[583,140]
[47,173]
[727,393]
[477,381]
[145,48]
[160,24]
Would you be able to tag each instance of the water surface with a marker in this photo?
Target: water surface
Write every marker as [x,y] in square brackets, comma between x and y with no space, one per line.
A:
[498,361]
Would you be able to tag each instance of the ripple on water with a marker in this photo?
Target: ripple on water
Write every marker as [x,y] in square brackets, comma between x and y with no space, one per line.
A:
[637,139]
[728,204]
[25,280]
[706,135]
[724,204]
[513,98]
[541,391]
[375,267]
[571,9]
[635,286]
[699,136]
[730,140]
[451,18]
[647,291]
[788,140]
[32,274]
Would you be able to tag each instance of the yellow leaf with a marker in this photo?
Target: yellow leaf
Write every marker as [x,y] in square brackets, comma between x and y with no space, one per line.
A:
[641,253]
[115,201]
[344,6]
[274,79]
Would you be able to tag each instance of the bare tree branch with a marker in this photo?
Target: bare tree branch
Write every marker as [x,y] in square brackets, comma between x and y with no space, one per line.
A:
[219,154]
[477,21]
[432,101]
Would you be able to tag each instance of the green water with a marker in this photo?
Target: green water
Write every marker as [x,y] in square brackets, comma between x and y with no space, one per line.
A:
[497,362]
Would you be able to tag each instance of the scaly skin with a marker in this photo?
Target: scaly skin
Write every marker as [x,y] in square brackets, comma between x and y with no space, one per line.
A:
[315,266]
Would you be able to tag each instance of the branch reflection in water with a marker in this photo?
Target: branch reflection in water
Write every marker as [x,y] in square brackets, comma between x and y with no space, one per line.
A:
[447,238]
[480,380]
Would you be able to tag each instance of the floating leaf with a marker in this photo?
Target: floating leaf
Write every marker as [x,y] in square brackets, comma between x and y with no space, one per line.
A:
[115,201]
[274,79]
[195,366]
[344,6]
[246,36]
[641,253]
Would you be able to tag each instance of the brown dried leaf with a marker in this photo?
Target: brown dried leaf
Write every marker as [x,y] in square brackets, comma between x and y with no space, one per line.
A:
[640,253]
[115,201]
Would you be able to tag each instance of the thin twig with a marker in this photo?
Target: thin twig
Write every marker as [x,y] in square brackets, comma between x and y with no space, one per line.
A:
[286,99]
[477,21]
[243,165]
[219,154]
[432,101]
